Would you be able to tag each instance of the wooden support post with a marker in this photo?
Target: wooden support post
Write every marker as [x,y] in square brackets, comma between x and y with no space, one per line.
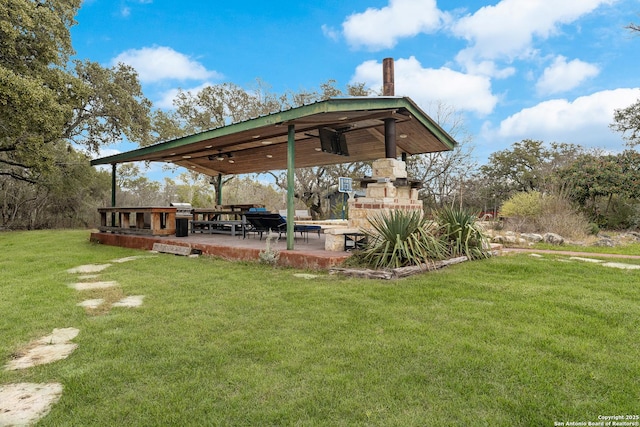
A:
[290,186]
[113,193]
[390,138]
[219,189]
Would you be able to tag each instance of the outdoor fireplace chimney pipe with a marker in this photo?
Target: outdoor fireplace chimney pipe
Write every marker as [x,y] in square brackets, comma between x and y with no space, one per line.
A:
[388,89]
[388,84]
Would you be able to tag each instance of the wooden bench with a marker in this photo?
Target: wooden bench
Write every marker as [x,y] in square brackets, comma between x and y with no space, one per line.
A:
[133,220]
[221,227]
[302,215]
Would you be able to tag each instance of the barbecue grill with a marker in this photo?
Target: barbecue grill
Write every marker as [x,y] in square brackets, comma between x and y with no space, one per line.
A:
[184,212]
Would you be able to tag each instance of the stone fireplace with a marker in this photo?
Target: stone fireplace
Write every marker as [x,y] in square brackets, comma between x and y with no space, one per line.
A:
[388,189]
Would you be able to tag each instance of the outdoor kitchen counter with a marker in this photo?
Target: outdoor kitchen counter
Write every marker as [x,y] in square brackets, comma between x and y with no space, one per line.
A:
[153,220]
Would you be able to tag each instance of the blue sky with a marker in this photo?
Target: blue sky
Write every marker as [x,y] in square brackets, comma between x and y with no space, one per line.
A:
[552,70]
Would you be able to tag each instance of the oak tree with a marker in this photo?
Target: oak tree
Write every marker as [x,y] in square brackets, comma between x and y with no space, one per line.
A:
[627,120]
[54,110]
[48,100]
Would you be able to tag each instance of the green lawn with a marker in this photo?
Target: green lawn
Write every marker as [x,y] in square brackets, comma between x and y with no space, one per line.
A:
[626,249]
[510,341]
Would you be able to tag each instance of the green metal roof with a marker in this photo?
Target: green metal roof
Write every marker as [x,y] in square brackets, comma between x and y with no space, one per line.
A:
[260,144]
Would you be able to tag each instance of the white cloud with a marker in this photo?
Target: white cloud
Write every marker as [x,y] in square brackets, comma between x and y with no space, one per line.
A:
[490,69]
[562,76]
[166,98]
[506,30]
[330,32]
[161,63]
[125,11]
[425,85]
[378,29]
[102,152]
[584,121]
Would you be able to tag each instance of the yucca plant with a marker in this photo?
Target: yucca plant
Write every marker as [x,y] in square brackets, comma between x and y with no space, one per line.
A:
[401,238]
[461,233]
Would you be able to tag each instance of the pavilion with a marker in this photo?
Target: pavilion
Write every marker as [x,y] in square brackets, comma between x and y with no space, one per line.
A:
[328,132]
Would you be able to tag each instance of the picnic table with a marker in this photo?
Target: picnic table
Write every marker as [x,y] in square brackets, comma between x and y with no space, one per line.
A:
[223,221]
[239,206]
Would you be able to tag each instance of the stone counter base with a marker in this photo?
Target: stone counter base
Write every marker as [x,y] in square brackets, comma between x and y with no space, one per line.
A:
[334,238]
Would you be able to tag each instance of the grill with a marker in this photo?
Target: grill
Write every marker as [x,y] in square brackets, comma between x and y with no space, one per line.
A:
[183,210]
[183,215]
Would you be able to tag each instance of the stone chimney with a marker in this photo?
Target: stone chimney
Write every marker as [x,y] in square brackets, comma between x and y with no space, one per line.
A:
[388,189]
[388,79]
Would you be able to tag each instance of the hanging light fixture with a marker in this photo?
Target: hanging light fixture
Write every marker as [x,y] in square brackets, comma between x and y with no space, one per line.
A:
[221,157]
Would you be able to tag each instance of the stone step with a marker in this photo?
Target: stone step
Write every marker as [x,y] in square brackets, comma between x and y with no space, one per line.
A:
[172,249]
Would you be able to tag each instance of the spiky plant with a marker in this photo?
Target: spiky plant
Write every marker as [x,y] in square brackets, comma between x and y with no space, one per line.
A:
[461,233]
[401,238]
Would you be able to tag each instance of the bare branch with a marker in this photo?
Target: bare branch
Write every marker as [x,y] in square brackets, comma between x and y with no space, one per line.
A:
[7,149]
[14,175]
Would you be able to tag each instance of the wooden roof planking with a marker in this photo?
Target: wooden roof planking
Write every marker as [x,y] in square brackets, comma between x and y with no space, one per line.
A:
[260,144]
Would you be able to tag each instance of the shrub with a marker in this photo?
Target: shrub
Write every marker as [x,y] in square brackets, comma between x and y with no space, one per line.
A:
[593,229]
[558,216]
[401,238]
[619,213]
[533,212]
[269,255]
[461,233]
[522,209]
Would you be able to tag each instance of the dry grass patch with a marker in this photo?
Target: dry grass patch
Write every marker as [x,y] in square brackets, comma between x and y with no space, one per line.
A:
[109,296]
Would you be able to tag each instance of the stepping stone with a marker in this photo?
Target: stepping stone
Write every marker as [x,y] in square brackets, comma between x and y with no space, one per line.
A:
[621,265]
[91,303]
[59,336]
[306,276]
[50,348]
[25,403]
[131,258]
[577,258]
[84,286]
[90,268]
[132,301]
[41,355]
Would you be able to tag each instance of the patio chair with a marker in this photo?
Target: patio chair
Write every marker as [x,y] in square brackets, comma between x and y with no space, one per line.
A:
[265,222]
[304,230]
[276,222]
[254,223]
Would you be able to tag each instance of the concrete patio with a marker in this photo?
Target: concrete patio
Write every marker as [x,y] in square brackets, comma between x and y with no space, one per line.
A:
[308,253]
